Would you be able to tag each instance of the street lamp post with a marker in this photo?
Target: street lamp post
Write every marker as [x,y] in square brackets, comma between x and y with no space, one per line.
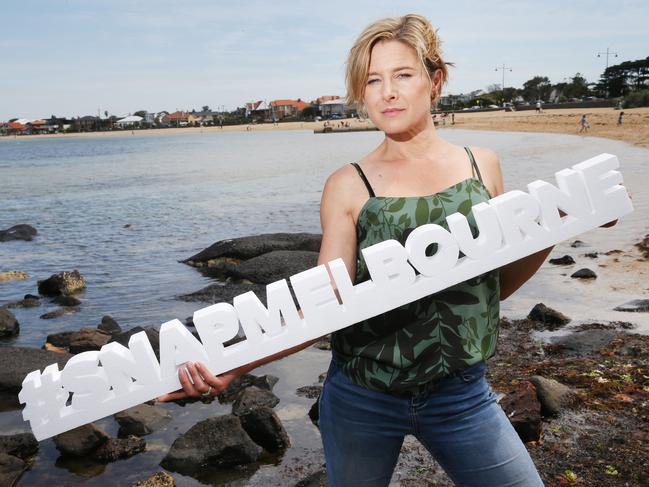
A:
[608,52]
[503,68]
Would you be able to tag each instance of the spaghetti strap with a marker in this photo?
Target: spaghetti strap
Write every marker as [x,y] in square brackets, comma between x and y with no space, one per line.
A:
[362,175]
[474,167]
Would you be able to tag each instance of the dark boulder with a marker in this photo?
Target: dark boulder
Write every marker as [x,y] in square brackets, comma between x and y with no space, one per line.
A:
[17,362]
[11,468]
[18,232]
[584,274]
[551,317]
[141,420]
[109,325]
[244,248]
[565,260]
[9,325]
[66,301]
[88,339]
[217,441]
[222,292]
[273,266]
[65,283]
[634,306]
[160,479]
[252,398]
[265,429]
[523,410]
[237,386]
[116,448]
[57,313]
[80,441]
[29,301]
[553,396]
[577,244]
[22,445]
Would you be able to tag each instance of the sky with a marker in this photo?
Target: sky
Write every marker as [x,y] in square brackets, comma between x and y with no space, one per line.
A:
[82,57]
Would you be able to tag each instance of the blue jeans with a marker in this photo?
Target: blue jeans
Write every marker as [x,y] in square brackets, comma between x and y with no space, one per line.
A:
[458,421]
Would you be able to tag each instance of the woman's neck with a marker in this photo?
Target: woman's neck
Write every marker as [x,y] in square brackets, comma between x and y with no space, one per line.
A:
[419,142]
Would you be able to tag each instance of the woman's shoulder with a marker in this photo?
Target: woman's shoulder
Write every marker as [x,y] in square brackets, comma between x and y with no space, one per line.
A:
[344,187]
[489,165]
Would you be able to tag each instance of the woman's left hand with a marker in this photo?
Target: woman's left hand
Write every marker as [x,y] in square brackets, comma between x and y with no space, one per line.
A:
[198,381]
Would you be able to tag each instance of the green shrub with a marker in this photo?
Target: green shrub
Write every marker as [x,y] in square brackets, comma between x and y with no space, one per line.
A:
[637,99]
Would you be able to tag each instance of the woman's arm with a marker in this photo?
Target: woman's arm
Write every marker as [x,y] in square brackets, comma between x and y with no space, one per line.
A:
[517,273]
[338,240]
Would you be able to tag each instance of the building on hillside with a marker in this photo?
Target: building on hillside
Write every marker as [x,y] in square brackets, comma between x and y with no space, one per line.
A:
[258,110]
[335,106]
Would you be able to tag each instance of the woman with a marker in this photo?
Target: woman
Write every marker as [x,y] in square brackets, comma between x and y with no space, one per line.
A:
[419,369]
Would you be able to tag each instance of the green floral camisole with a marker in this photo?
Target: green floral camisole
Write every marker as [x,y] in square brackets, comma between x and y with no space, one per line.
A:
[405,348]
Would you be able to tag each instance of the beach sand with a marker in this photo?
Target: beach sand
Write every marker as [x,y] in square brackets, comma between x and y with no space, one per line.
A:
[603,122]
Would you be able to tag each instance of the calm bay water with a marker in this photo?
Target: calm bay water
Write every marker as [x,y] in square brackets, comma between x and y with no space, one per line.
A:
[181,193]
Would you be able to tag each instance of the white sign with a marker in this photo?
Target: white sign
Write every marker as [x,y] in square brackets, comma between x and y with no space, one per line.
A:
[511,226]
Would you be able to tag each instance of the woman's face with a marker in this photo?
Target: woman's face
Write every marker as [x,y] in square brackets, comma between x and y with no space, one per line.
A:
[398,93]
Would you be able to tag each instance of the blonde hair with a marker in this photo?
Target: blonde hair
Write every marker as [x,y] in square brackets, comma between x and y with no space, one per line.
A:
[413,30]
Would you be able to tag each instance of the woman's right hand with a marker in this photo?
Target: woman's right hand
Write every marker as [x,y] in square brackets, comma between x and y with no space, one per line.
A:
[197,381]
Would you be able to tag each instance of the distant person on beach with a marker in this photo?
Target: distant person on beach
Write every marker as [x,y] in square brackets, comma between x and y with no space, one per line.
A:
[453,118]
[538,106]
[620,118]
[411,370]
[583,122]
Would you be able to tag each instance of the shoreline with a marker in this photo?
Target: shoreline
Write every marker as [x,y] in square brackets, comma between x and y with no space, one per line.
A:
[603,121]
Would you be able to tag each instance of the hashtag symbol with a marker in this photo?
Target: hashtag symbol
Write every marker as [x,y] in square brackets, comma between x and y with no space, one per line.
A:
[43,396]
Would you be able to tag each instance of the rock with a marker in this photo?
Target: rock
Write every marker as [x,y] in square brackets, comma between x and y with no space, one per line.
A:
[29,301]
[62,283]
[12,276]
[22,445]
[542,313]
[324,343]
[109,325]
[643,246]
[322,377]
[577,244]
[591,255]
[87,339]
[152,334]
[314,413]
[553,396]
[235,387]
[9,326]
[217,441]
[11,468]
[80,441]
[219,292]
[17,362]
[115,448]
[585,342]
[66,301]
[316,479]
[60,340]
[584,274]
[274,266]
[57,313]
[310,392]
[160,479]
[141,420]
[18,232]
[635,306]
[565,260]
[523,410]
[265,429]
[252,398]
[248,247]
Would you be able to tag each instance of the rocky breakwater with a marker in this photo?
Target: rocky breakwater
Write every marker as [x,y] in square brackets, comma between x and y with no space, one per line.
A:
[247,264]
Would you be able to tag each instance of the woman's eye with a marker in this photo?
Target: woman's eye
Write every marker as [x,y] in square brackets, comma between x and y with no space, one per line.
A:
[407,75]
[369,82]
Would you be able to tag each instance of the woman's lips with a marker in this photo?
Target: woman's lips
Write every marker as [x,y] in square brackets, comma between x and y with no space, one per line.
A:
[392,112]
